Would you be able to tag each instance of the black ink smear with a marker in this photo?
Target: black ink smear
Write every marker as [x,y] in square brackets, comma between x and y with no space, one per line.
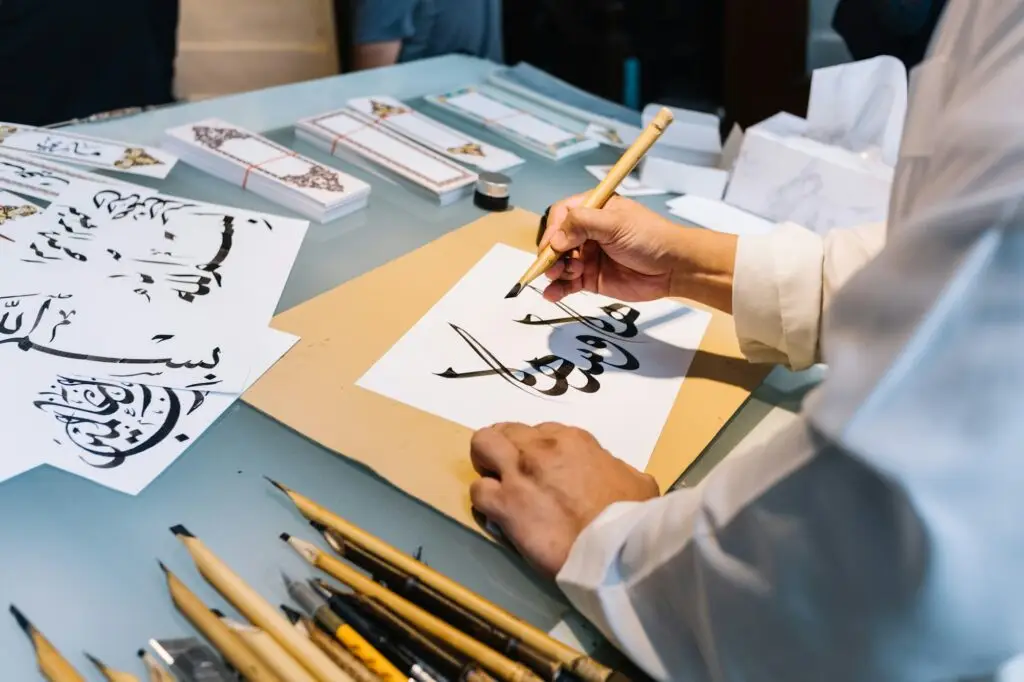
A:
[160,338]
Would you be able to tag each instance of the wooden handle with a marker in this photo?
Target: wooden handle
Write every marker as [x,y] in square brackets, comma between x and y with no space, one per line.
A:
[600,195]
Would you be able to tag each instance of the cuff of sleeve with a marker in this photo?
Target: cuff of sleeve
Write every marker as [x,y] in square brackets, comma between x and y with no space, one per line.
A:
[777,296]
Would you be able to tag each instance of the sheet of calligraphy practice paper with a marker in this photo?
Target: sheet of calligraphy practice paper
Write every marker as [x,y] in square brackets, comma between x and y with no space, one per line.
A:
[44,179]
[90,151]
[611,368]
[116,433]
[175,256]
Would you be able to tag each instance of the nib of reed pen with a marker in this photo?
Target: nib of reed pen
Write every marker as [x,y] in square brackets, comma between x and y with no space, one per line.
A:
[318,527]
[182,531]
[293,615]
[277,485]
[514,291]
[22,620]
[96,662]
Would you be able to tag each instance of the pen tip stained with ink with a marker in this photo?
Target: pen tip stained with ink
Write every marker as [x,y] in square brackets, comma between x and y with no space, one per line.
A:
[181,531]
[514,291]
[277,485]
[22,620]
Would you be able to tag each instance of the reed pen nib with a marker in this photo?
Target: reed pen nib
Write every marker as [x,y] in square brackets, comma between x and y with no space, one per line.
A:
[514,291]
[217,612]
[22,620]
[293,615]
[318,527]
[277,485]
[181,531]
[285,536]
[141,653]
[163,567]
[96,662]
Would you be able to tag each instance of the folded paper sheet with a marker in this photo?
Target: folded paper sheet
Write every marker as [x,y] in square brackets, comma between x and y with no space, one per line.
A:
[313,389]
[860,106]
[607,367]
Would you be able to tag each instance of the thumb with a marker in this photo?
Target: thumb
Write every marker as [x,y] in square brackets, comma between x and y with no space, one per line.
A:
[586,224]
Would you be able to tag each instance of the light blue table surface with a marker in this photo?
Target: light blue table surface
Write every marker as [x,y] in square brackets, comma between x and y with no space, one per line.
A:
[80,560]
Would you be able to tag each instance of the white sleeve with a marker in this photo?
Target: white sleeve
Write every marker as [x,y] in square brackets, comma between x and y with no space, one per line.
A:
[774,569]
[784,282]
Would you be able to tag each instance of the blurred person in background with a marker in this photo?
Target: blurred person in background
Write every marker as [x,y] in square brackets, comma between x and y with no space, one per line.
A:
[392,31]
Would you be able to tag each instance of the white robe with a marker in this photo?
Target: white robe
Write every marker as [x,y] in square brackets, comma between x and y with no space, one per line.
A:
[880,537]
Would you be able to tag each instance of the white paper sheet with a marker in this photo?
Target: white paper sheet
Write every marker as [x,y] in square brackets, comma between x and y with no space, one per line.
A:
[860,106]
[174,255]
[45,179]
[718,216]
[394,115]
[89,151]
[476,358]
[630,185]
[118,434]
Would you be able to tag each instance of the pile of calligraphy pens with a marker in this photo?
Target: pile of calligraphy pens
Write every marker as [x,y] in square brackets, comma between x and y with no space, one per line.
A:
[388,618]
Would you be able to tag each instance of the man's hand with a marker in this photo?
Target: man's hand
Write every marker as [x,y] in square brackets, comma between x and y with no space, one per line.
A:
[543,485]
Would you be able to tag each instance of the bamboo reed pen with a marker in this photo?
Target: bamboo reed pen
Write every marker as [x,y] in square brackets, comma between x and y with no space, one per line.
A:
[341,656]
[599,196]
[498,665]
[52,665]
[574,661]
[267,650]
[230,646]
[256,609]
[431,600]
[109,673]
[157,673]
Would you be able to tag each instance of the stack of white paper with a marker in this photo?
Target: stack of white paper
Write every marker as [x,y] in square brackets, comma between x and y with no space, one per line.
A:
[129,322]
[347,134]
[491,110]
[718,216]
[455,144]
[271,170]
[89,151]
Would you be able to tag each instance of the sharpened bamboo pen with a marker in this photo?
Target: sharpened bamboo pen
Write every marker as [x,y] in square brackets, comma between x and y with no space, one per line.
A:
[256,609]
[599,196]
[574,661]
[157,673]
[52,664]
[428,599]
[109,673]
[498,665]
[230,646]
[267,650]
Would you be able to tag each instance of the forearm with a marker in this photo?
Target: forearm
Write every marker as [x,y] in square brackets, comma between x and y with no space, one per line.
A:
[706,264]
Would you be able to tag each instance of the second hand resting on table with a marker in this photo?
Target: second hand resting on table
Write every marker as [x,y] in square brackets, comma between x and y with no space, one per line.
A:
[543,485]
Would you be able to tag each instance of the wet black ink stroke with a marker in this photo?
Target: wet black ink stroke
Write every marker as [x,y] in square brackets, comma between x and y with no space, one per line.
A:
[555,368]
[618,312]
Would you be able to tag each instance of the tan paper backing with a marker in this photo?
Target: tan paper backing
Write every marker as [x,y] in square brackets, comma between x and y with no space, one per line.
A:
[346,330]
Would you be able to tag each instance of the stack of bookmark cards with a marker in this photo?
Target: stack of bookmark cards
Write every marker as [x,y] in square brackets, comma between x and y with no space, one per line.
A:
[269,169]
[88,151]
[348,135]
[455,144]
[496,113]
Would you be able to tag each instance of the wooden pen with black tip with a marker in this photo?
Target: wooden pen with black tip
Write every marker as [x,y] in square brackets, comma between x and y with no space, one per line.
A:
[157,673]
[267,650]
[230,646]
[427,598]
[109,673]
[599,196]
[257,610]
[570,659]
[498,665]
[52,664]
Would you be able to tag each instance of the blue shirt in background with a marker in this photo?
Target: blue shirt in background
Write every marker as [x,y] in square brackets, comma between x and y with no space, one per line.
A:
[429,28]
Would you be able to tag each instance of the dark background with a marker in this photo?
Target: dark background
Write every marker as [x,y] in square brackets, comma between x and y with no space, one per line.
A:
[67,59]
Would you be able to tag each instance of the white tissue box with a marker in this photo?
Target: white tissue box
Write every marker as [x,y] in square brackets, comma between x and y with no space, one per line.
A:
[783,176]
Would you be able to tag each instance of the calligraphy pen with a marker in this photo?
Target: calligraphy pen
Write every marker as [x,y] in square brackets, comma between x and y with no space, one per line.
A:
[109,674]
[599,196]
[52,664]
